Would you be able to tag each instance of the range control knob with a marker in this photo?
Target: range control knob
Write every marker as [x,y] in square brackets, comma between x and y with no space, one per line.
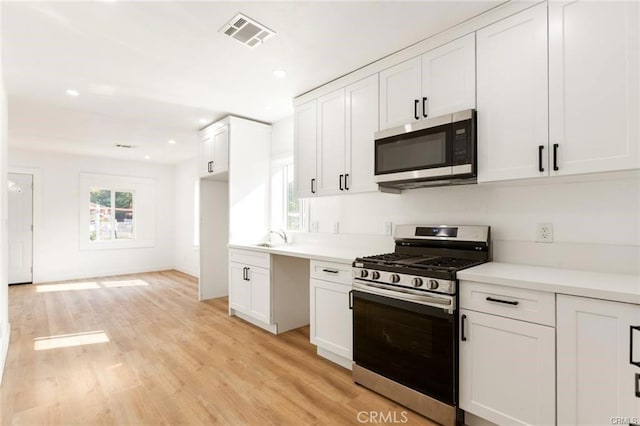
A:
[375,275]
[417,282]
[433,284]
[364,273]
[395,278]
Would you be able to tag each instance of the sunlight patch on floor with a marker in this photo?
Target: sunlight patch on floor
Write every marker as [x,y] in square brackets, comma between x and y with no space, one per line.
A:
[124,283]
[45,288]
[70,340]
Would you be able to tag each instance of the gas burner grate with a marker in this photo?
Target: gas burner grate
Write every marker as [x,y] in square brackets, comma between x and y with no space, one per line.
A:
[390,257]
[447,262]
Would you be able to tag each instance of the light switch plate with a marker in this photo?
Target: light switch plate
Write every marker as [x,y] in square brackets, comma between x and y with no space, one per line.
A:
[336,227]
[388,228]
[314,226]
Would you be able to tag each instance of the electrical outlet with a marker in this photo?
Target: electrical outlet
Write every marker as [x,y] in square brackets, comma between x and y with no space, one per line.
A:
[388,228]
[545,233]
[336,227]
[315,225]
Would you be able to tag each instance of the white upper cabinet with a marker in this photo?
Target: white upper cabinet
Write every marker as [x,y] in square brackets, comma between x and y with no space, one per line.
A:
[361,125]
[439,82]
[512,97]
[331,143]
[334,138]
[214,152]
[594,85]
[305,135]
[400,89]
[449,77]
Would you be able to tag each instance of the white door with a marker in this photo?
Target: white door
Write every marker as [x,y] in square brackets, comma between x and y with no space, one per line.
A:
[331,143]
[512,96]
[221,150]
[361,124]
[507,370]
[260,293]
[305,136]
[594,85]
[20,208]
[400,89]
[449,77]
[596,379]
[331,319]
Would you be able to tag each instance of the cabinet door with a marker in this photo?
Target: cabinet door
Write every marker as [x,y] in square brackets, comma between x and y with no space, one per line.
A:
[331,143]
[221,150]
[512,96]
[260,280]
[362,123]
[507,370]
[331,320]
[594,85]
[239,288]
[449,77]
[305,149]
[206,153]
[400,87]
[596,380]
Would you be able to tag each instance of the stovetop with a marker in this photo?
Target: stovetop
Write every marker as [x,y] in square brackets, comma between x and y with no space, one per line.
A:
[415,261]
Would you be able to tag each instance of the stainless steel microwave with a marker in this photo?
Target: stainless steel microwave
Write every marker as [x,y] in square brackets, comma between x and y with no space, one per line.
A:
[432,152]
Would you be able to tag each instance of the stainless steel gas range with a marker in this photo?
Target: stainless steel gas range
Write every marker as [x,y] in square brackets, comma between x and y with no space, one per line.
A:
[405,316]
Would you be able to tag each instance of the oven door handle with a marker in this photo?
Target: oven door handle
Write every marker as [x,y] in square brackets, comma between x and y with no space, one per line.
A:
[434,301]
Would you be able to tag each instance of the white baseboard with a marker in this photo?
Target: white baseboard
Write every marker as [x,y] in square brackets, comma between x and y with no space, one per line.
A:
[340,360]
[188,271]
[4,348]
[106,272]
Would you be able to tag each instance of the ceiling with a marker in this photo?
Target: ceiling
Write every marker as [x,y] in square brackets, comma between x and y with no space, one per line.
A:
[148,72]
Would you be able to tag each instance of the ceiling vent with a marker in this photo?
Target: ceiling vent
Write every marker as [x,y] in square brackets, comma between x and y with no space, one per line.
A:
[119,145]
[247,31]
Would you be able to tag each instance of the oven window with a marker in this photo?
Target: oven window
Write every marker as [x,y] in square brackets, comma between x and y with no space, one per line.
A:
[406,342]
[402,153]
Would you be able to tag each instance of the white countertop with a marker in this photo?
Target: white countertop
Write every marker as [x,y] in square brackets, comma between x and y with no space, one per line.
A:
[616,287]
[309,251]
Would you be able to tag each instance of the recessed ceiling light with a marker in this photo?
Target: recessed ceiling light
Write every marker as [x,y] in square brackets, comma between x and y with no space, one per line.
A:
[171,142]
[72,92]
[147,157]
[279,73]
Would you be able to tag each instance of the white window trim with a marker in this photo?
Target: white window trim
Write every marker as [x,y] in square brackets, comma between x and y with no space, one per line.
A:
[144,210]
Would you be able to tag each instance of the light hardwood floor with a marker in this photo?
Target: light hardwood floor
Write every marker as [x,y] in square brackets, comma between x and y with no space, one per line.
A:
[140,349]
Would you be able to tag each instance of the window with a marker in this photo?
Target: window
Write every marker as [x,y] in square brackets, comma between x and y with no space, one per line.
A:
[287,211]
[117,212]
[111,215]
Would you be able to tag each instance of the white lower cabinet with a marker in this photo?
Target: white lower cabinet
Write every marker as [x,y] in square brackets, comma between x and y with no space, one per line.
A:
[250,285]
[507,366]
[330,316]
[598,382]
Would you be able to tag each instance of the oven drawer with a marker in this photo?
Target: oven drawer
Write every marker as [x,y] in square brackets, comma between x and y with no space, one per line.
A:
[517,303]
[331,271]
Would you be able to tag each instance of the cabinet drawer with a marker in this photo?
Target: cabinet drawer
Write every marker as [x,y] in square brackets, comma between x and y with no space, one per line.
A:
[249,257]
[331,271]
[522,304]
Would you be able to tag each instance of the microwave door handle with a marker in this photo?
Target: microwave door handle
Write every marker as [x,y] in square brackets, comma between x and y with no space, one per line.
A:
[415,108]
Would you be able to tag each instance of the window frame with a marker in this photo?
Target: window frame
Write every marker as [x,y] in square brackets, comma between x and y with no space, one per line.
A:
[284,168]
[113,208]
[144,210]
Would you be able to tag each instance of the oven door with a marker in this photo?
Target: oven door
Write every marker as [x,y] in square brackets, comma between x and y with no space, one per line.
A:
[408,342]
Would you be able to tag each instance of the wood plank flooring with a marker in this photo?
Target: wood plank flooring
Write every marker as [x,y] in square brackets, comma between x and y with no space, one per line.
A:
[140,349]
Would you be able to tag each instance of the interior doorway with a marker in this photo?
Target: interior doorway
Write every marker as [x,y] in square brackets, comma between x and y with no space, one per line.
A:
[20,208]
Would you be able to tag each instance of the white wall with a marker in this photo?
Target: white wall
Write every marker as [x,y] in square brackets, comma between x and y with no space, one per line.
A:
[186,254]
[57,255]
[4,298]
[596,218]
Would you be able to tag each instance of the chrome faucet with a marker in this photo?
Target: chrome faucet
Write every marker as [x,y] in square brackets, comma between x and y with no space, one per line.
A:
[281,233]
